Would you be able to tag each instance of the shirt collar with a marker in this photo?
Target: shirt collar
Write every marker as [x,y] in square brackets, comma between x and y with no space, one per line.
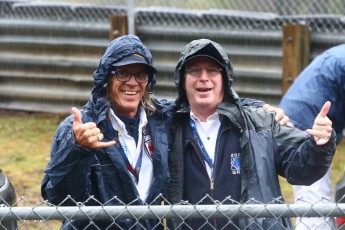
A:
[118,123]
[214,116]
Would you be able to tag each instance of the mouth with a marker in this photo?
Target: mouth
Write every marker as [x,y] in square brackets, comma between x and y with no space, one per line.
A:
[203,90]
[130,93]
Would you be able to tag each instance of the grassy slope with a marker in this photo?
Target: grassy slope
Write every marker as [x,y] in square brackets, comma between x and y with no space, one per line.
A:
[25,148]
[25,141]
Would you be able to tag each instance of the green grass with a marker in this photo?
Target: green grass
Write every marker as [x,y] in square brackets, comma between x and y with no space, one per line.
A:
[25,149]
[25,140]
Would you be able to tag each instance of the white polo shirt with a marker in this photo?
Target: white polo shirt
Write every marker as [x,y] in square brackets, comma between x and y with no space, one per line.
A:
[133,151]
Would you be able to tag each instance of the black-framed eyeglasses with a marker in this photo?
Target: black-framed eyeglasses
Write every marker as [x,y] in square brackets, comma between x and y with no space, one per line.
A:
[196,71]
[124,76]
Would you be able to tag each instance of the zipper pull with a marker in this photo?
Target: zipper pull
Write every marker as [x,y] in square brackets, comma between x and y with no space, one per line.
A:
[212,187]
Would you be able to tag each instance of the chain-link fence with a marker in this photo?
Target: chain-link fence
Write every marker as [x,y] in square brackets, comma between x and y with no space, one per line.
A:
[226,214]
[325,15]
[281,7]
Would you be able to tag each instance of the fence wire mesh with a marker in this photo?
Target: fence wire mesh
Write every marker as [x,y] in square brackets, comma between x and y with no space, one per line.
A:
[322,16]
[229,213]
[281,7]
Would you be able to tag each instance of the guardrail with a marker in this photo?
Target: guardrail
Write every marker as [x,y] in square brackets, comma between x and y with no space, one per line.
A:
[46,62]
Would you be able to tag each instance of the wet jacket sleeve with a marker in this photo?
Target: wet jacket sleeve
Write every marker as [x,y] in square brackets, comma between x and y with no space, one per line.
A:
[298,158]
[69,167]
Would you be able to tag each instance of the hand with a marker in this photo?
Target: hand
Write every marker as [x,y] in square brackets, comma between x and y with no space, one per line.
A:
[279,114]
[88,135]
[322,128]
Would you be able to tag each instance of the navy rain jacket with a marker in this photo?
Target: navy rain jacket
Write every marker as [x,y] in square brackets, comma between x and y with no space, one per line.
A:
[266,148]
[81,173]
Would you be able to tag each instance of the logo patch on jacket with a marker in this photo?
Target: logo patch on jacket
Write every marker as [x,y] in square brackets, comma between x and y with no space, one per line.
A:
[148,143]
[235,162]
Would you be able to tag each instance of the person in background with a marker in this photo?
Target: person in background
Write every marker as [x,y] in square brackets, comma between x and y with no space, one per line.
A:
[322,80]
[117,145]
[224,151]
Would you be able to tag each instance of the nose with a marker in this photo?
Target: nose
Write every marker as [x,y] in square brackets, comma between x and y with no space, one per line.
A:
[203,75]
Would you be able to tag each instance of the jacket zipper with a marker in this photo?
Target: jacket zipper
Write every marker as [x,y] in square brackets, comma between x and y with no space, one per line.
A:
[214,165]
[197,150]
[211,186]
[213,171]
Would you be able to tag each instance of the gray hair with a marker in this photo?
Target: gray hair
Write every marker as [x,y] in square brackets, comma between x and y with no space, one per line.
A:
[147,102]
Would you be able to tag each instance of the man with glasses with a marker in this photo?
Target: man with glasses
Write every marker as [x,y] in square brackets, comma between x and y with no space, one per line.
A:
[114,150]
[226,152]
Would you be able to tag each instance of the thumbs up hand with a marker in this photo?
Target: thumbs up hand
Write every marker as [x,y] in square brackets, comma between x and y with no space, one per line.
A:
[322,128]
[88,135]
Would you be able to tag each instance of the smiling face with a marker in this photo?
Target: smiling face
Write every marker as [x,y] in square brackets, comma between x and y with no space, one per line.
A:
[205,90]
[125,97]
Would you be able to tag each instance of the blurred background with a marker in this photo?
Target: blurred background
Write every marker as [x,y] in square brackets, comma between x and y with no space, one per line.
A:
[49,49]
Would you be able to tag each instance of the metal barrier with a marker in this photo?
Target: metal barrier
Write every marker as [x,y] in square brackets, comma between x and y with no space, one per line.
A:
[47,59]
[44,214]
[48,51]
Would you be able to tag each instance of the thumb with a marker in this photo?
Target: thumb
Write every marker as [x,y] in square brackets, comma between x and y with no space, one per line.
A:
[325,109]
[77,116]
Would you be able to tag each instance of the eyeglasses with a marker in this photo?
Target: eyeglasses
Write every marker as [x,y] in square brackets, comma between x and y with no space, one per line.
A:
[196,71]
[123,76]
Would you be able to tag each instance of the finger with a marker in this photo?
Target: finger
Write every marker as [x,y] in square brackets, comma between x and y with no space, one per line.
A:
[318,133]
[321,141]
[100,136]
[325,121]
[284,121]
[90,129]
[87,130]
[279,114]
[101,145]
[268,108]
[325,109]
[320,138]
[77,116]
[323,128]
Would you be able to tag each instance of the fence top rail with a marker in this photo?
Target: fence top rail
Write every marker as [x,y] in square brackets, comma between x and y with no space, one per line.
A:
[174,211]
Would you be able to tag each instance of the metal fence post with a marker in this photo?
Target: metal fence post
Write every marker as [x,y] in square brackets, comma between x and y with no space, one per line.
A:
[131,16]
